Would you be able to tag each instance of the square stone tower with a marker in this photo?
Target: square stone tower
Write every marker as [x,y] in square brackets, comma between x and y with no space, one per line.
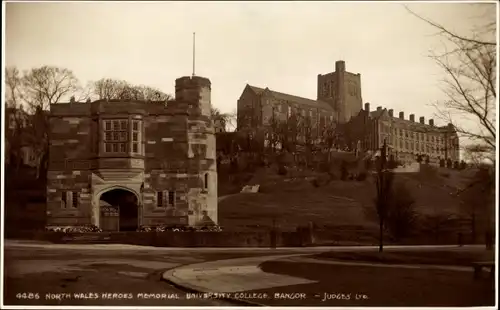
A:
[342,90]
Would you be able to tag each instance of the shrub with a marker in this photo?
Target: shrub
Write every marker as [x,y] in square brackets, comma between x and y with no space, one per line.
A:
[463,165]
[282,170]
[361,177]
[324,166]
[74,229]
[343,171]
[401,216]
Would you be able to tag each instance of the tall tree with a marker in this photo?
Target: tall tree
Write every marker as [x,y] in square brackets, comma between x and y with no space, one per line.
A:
[108,88]
[15,117]
[383,181]
[48,85]
[221,119]
[42,87]
[469,62]
[477,198]
[111,89]
[13,85]
[401,215]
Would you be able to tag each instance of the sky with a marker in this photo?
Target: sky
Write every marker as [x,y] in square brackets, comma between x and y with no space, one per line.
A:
[280,45]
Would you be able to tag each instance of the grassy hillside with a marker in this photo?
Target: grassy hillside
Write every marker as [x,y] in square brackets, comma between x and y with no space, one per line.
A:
[293,200]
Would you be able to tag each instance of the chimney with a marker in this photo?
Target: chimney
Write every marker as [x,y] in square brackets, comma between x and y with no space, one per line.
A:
[422,120]
[431,122]
[412,117]
[367,107]
[379,108]
[402,115]
[391,112]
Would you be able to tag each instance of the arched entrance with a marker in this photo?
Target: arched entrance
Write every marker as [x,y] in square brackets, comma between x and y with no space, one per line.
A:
[119,210]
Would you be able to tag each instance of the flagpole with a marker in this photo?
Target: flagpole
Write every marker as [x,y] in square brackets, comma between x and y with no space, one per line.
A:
[194,50]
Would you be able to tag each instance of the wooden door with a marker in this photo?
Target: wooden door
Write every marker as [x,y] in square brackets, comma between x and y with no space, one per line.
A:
[110,218]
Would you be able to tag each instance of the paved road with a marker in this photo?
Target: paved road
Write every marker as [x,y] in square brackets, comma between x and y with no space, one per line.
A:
[33,270]
[50,274]
[280,275]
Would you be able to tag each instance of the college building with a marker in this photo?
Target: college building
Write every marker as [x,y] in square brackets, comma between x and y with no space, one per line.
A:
[407,139]
[338,99]
[339,106]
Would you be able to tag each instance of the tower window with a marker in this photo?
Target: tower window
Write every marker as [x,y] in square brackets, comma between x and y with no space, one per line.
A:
[206,181]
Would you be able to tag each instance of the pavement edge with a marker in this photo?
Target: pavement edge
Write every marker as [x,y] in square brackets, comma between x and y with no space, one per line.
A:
[169,277]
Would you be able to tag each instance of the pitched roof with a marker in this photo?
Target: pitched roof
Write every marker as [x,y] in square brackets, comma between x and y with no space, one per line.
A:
[292,98]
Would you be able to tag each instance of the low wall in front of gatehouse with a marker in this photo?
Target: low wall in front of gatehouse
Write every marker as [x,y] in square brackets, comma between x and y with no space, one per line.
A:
[174,239]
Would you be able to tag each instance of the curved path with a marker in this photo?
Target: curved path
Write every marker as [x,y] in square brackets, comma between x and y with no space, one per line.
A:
[244,274]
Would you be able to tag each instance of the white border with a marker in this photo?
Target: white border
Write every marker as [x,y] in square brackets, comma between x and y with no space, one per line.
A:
[2,160]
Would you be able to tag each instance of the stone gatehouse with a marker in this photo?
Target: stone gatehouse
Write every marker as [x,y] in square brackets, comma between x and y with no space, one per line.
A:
[121,165]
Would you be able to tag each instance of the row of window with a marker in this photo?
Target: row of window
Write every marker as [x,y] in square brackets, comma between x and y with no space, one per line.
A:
[119,137]
[69,199]
[420,147]
[419,136]
[119,125]
[165,199]
[300,111]
[120,147]
[323,119]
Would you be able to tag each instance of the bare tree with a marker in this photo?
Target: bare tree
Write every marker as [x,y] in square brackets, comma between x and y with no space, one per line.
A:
[42,87]
[289,132]
[307,137]
[111,89]
[477,198]
[401,215]
[273,132]
[108,88]
[47,85]
[222,119]
[149,93]
[384,179]
[469,63]
[13,87]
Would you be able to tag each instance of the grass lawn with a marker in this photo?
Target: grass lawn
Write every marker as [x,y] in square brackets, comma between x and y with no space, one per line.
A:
[458,257]
[383,287]
[295,201]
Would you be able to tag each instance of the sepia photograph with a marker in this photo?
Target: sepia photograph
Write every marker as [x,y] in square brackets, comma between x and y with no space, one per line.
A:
[249,154]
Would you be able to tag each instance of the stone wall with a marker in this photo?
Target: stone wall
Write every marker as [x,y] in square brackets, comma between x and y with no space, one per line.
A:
[69,166]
